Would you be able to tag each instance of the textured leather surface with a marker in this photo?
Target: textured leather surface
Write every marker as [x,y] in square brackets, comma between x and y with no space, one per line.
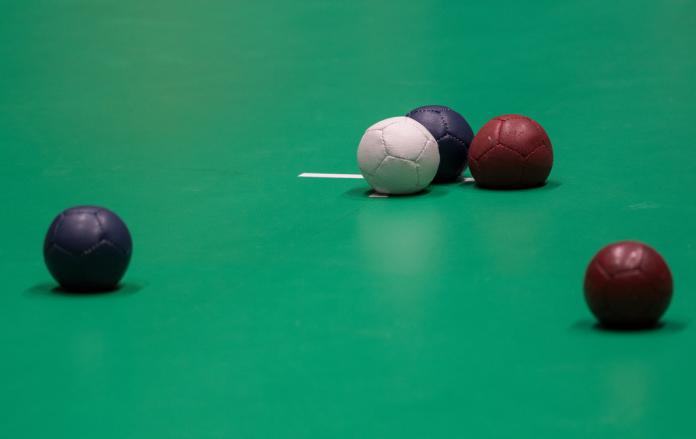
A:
[511,152]
[628,284]
[87,248]
[453,135]
[398,156]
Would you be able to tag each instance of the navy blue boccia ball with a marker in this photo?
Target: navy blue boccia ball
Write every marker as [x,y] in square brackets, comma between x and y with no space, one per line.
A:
[87,248]
[453,135]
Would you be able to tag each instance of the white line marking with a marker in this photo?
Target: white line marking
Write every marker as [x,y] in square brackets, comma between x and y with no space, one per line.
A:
[376,195]
[315,175]
[467,180]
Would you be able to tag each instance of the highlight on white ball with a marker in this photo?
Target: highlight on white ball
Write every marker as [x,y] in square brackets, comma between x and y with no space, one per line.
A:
[398,156]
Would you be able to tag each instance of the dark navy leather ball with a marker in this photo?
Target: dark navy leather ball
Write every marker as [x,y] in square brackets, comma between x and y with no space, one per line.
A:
[453,135]
[87,248]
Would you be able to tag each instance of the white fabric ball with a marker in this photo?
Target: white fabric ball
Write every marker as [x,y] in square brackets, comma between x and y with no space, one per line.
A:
[398,156]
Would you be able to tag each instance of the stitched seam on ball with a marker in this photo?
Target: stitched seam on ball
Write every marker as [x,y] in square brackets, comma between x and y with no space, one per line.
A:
[99,244]
[105,239]
[121,249]
[420,154]
[488,150]
[456,138]
[102,230]
[94,247]
[497,140]
[386,152]
[498,130]
[427,135]
[427,110]
[640,265]
[606,274]
[627,270]
[63,249]
[642,257]
[504,147]
[384,144]
[118,247]
[513,150]
[421,129]
[115,246]
[532,152]
[444,123]
[380,164]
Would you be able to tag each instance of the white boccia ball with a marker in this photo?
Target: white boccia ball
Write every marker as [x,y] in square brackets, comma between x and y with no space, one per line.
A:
[398,156]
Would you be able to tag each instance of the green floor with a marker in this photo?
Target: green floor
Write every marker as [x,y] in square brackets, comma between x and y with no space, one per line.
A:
[262,305]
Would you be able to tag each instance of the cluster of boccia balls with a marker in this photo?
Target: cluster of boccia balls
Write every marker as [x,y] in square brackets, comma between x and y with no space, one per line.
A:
[403,155]
[627,284]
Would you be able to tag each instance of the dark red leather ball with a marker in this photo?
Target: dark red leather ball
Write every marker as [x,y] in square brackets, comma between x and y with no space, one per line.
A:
[628,284]
[511,152]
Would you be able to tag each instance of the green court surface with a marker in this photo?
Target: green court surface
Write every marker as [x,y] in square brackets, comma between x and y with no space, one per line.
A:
[263,305]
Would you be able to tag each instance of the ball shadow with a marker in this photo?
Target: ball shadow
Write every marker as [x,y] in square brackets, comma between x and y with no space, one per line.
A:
[669,326]
[47,289]
[461,180]
[549,185]
[367,193]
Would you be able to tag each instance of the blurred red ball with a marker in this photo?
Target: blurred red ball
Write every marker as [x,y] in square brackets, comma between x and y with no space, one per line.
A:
[511,152]
[628,284]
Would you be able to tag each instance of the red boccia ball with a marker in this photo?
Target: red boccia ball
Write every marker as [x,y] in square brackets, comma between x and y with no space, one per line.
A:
[510,152]
[628,284]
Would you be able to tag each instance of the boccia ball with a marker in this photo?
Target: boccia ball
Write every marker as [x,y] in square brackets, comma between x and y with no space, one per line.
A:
[87,248]
[398,156]
[628,284]
[510,152]
[453,135]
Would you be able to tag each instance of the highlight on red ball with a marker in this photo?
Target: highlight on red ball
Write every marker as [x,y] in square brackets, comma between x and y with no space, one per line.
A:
[628,285]
[511,152]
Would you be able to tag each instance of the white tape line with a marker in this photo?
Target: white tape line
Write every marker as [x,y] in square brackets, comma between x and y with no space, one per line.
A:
[376,195]
[315,175]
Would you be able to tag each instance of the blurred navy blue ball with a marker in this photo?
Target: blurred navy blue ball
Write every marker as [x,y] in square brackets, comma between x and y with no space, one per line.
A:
[87,248]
